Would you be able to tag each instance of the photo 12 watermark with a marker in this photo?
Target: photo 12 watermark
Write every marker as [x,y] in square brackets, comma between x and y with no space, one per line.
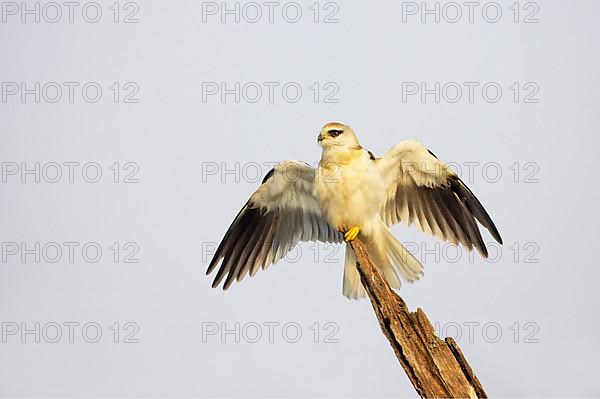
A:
[490,332]
[69,252]
[453,12]
[270,12]
[270,92]
[52,172]
[470,92]
[70,12]
[53,332]
[252,332]
[35,92]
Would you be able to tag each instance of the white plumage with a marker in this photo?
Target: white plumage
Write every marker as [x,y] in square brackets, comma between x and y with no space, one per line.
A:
[351,193]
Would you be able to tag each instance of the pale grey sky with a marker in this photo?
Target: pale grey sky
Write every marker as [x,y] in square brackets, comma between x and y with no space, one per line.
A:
[182,114]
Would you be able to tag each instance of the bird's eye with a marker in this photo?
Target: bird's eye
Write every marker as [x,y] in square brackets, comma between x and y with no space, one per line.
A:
[335,133]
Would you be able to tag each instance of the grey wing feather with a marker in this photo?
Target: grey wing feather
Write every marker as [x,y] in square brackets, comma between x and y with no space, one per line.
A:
[278,215]
[424,191]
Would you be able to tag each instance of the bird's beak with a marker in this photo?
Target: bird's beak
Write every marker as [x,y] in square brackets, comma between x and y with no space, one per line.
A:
[319,138]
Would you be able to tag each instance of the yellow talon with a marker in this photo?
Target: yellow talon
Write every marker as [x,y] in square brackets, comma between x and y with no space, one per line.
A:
[352,233]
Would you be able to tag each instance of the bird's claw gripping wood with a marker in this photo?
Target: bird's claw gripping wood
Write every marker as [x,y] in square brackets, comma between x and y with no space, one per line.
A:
[352,233]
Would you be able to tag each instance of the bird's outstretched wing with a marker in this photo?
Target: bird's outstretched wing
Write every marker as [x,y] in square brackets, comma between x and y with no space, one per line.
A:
[280,213]
[423,190]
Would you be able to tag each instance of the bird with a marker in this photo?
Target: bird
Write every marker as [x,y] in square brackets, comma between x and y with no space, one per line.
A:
[352,194]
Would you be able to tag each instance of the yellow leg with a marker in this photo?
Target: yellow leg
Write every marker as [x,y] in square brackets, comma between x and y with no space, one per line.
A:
[352,233]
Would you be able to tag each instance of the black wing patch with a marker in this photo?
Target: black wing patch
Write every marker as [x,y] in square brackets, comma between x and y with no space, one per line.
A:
[268,175]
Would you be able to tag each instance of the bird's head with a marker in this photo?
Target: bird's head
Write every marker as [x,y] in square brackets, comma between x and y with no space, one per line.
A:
[336,134]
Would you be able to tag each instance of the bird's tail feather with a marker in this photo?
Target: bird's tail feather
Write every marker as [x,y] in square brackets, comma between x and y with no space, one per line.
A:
[392,258]
[352,287]
[395,256]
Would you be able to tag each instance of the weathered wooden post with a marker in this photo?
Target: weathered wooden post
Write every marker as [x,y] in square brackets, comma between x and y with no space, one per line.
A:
[436,368]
